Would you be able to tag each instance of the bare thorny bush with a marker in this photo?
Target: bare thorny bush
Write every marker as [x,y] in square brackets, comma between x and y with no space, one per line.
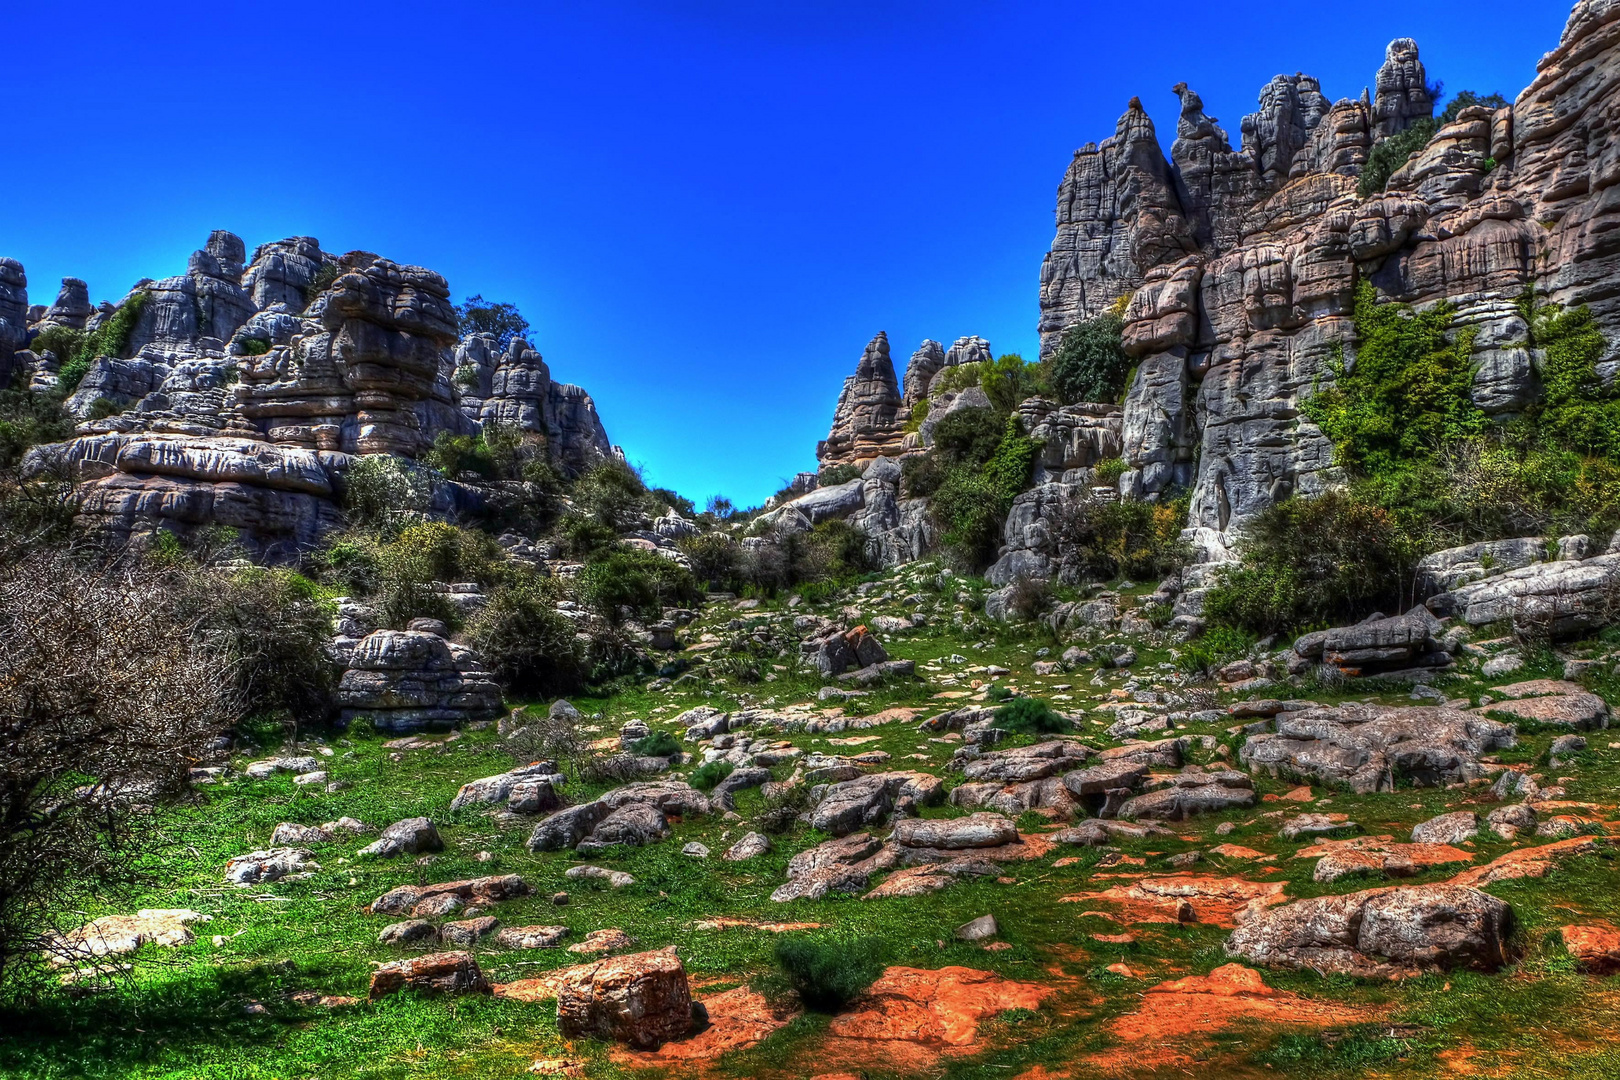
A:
[109,691]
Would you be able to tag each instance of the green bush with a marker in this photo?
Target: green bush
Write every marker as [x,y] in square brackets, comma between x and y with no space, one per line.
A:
[29,418]
[1104,539]
[704,777]
[614,495]
[1408,392]
[272,628]
[475,315]
[955,379]
[829,975]
[970,503]
[1032,716]
[1008,380]
[454,455]
[320,281]
[715,557]
[1465,98]
[1090,362]
[641,581]
[1388,155]
[1109,470]
[968,436]
[529,646]
[1326,560]
[658,744]
[386,493]
[833,475]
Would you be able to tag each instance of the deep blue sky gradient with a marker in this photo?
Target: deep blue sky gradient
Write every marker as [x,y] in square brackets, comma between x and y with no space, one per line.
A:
[706,209]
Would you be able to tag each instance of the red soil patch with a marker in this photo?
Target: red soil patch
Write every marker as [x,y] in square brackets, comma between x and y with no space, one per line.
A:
[1173,898]
[1596,949]
[1525,862]
[1238,851]
[910,1017]
[1175,1017]
[737,1018]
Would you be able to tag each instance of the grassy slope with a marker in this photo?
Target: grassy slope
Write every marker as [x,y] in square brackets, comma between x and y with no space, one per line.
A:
[181,1013]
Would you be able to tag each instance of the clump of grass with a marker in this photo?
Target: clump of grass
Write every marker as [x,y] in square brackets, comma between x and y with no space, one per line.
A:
[1031,716]
[706,776]
[828,975]
[658,744]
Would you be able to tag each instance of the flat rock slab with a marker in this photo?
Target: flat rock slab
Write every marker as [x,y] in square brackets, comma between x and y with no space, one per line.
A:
[738,1018]
[1187,898]
[1529,862]
[116,935]
[436,973]
[1378,855]
[1596,948]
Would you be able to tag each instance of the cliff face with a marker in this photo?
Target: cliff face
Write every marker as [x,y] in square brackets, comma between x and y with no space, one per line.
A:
[248,390]
[1241,266]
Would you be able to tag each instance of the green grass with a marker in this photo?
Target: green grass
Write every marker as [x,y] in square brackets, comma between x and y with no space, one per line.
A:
[182,1012]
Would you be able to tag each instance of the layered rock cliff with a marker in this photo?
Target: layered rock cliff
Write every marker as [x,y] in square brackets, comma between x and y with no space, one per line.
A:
[1239,267]
[245,391]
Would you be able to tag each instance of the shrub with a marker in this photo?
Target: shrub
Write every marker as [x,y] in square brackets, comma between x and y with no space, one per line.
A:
[715,557]
[1031,716]
[613,494]
[271,627]
[454,455]
[1009,380]
[664,498]
[422,556]
[111,338]
[63,342]
[1465,98]
[320,281]
[641,581]
[955,378]
[829,975]
[833,475]
[387,493]
[919,413]
[475,315]
[529,646]
[971,501]
[1214,648]
[1578,411]
[1103,539]
[1090,362]
[109,693]
[1109,470]
[704,777]
[1388,155]
[255,346]
[1408,393]
[28,418]
[1307,561]
[658,744]
[968,436]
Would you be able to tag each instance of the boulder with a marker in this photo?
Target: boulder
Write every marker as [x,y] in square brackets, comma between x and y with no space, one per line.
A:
[409,837]
[979,830]
[1379,932]
[275,864]
[436,973]
[413,680]
[1451,828]
[642,999]
[1190,794]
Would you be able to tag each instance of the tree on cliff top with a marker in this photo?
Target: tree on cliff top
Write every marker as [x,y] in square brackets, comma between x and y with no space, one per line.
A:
[475,315]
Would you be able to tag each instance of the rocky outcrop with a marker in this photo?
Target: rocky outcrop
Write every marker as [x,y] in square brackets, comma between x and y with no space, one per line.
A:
[13,315]
[1117,217]
[246,393]
[515,388]
[868,421]
[1241,265]
[1380,932]
[642,999]
[412,680]
[920,371]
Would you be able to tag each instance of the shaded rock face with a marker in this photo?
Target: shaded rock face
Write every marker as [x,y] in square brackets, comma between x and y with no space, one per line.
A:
[13,316]
[868,420]
[1241,265]
[72,306]
[642,999]
[515,388]
[920,371]
[1380,932]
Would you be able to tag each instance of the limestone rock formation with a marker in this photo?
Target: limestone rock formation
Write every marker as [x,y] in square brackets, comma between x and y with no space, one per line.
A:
[920,371]
[1117,217]
[1241,266]
[868,420]
[411,680]
[244,393]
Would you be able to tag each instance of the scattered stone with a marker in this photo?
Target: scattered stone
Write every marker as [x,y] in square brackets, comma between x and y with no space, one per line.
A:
[1451,828]
[609,940]
[695,850]
[410,932]
[616,879]
[750,846]
[979,929]
[468,931]
[436,973]
[276,864]
[409,837]
[1596,949]
[289,835]
[531,937]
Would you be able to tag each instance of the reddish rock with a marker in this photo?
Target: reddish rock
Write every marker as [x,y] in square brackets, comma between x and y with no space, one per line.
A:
[642,1000]
[436,973]
[1596,949]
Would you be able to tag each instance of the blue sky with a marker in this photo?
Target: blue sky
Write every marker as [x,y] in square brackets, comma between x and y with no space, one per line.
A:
[706,208]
